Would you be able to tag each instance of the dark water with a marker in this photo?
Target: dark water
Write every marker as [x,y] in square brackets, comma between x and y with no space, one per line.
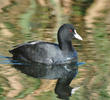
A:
[33,21]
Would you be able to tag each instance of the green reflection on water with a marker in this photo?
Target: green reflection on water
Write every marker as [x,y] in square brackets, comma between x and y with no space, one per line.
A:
[24,21]
[30,84]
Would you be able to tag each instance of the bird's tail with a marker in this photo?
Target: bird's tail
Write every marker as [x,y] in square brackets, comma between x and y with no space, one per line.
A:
[8,60]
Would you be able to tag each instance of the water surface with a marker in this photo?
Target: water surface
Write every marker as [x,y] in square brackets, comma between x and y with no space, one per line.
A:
[34,21]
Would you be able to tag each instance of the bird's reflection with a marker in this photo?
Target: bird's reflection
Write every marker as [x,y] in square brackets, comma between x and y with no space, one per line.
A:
[63,72]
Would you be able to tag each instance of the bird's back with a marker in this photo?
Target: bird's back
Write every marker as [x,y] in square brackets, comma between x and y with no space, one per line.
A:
[43,52]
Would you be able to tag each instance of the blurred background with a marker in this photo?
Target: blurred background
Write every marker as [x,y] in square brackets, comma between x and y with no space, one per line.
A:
[27,20]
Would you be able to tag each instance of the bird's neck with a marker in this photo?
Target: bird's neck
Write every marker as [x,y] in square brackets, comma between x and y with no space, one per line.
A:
[66,47]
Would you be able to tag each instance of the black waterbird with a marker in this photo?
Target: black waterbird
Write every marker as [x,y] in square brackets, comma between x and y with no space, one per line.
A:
[50,60]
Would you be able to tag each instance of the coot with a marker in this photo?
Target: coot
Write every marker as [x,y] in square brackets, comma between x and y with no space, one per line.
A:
[49,53]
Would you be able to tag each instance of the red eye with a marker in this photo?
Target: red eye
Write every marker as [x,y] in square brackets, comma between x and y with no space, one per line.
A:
[70,30]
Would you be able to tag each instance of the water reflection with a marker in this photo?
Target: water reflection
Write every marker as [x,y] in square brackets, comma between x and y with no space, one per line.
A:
[63,72]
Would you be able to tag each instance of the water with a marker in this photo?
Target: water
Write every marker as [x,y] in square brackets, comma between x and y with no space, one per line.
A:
[35,21]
